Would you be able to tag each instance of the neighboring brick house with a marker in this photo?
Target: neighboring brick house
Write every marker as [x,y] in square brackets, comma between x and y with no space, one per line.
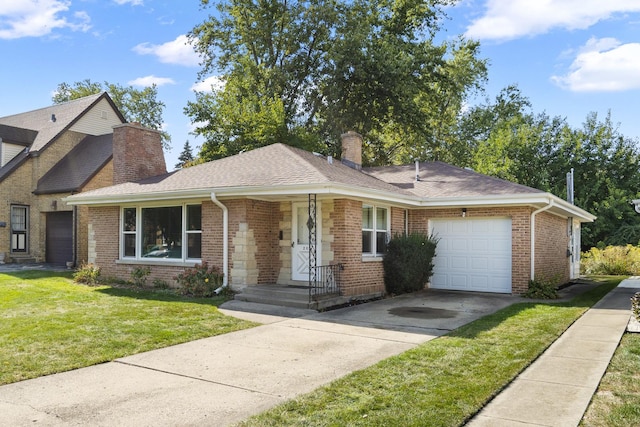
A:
[271,215]
[49,154]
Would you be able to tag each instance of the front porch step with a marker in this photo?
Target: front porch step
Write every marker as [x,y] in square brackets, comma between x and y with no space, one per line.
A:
[287,296]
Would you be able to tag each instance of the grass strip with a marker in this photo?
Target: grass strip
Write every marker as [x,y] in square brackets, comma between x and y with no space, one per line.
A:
[444,381]
[617,401]
[49,324]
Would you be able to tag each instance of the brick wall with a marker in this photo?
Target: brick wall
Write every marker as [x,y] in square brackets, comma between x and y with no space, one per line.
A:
[254,234]
[550,259]
[552,243]
[137,153]
[103,178]
[17,189]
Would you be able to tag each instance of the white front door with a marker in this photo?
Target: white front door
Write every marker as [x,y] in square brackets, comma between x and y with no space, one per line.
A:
[300,240]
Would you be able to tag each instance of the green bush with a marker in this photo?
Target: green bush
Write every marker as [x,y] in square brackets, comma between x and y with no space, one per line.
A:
[199,281]
[160,284]
[541,289]
[612,260]
[408,263]
[87,274]
[139,276]
[635,305]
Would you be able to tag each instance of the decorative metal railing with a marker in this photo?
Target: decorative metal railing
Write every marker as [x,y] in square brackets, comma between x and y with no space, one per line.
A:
[327,281]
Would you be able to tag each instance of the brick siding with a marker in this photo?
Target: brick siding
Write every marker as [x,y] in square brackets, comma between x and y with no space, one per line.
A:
[255,228]
[552,242]
[137,153]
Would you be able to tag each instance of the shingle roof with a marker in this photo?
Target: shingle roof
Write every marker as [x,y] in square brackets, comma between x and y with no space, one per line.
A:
[15,135]
[75,169]
[13,164]
[439,179]
[276,165]
[66,114]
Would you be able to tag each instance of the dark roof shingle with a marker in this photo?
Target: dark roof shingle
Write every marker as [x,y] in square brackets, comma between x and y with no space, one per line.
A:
[75,169]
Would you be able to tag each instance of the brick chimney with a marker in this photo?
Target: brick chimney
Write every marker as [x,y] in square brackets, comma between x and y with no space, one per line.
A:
[137,153]
[352,149]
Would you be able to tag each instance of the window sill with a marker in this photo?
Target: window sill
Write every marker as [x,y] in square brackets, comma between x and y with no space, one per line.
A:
[172,263]
[372,258]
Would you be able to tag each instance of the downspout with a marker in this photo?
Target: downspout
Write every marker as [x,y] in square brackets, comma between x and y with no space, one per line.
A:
[225,243]
[533,236]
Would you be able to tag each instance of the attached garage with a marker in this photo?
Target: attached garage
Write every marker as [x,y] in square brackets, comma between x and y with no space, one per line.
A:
[473,254]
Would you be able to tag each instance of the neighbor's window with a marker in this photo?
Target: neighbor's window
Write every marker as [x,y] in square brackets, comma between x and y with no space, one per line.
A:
[375,230]
[19,228]
[161,232]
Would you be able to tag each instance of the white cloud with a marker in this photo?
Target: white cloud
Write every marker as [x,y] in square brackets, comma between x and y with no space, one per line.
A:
[510,19]
[152,80]
[132,2]
[210,84]
[603,65]
[35,18]
[178,51]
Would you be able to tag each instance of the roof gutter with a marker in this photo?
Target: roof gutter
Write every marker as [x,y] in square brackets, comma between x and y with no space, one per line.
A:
[225,242]
[533,236]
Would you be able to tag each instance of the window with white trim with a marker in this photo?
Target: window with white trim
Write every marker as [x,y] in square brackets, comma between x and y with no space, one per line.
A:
[375,230]
[159,232]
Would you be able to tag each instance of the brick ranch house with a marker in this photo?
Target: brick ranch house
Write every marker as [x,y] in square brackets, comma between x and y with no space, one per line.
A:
[54,152]
[273,214]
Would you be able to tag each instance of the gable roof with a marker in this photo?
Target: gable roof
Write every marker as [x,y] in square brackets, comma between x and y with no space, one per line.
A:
[75,169]
[438,179]
[277,168]
[50,122]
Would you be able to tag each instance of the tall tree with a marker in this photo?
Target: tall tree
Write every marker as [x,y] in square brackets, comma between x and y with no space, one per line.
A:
[538,151]
[141,106]
[303,72]
[186,157]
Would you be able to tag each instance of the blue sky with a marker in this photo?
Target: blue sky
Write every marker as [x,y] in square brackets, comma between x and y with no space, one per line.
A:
[569,57]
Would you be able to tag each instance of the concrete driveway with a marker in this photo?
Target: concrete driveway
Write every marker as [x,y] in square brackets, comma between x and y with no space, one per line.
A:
[225,379]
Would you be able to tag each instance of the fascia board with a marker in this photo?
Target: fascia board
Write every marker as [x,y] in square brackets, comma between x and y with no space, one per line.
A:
[231,192]
[409,201]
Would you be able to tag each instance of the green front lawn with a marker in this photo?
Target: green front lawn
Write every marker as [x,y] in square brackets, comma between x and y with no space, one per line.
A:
[617,401]
[49,324]
[442,382]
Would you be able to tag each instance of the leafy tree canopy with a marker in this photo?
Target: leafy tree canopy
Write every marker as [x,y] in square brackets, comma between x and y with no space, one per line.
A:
[303,72]
[538,151]
[141,106]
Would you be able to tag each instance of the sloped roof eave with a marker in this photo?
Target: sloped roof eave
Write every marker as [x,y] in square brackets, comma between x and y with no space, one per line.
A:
[239,192]
[408,201]
[525,199]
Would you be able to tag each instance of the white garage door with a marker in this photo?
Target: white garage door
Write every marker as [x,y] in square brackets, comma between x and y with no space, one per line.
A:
[473,254]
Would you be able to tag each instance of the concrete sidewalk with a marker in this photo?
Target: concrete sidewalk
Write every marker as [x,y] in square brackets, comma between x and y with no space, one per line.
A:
[557,388]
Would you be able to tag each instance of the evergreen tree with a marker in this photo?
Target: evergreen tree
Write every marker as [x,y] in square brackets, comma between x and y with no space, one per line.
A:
[186,157]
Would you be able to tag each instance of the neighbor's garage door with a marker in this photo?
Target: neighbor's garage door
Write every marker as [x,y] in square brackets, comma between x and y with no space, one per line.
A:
[59,244]
[473,254]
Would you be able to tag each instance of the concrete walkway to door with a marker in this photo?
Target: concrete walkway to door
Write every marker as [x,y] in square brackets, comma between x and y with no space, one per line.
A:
[224,379]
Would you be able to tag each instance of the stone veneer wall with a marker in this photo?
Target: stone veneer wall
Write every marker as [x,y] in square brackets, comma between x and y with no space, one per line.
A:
[284,244]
